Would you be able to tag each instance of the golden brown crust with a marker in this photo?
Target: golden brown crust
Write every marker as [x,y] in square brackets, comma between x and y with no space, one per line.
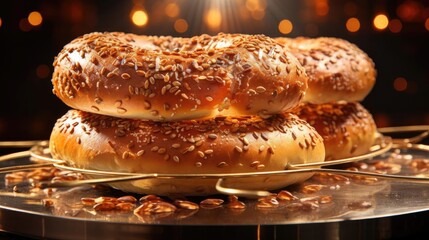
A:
[337,69]
[219,145]
[166,79]
[347,128]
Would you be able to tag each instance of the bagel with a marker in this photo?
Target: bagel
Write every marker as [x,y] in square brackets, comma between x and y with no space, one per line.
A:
[347,128]
[168,79]
[337,69]
[219,145]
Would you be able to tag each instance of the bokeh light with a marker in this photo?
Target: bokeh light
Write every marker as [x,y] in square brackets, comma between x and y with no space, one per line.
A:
[380,21]
[0,22]
[213,19]
[172,10]
[43,71]
[400,84]
[35,18]
[427,24]
[285,26]
[181,25]
[353,24]
[322,7]
[395,25]
[139,18]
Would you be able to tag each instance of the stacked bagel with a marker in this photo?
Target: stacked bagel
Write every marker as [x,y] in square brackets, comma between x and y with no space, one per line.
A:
[340,76]
[201,105]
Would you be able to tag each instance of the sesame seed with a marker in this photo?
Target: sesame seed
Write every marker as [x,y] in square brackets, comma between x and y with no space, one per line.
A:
[201,154]
[198,164]
[121,110]
[176,158]
[260,89]
[264,136]
[140,153]
[184,96]
[162,150]
[212,136]
[176,145]
[238,149]
[125,76]
[222,164]
[95,108]
[147,104]
[208,151]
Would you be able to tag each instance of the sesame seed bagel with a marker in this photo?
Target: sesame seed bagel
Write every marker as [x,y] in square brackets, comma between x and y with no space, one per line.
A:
[214,146]
[168,79]
[347,128]
[337,69]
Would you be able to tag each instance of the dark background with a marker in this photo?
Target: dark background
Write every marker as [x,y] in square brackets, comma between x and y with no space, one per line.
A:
[28,109]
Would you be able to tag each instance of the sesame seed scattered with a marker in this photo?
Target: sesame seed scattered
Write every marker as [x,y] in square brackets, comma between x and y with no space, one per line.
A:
[125,76]
[212,136]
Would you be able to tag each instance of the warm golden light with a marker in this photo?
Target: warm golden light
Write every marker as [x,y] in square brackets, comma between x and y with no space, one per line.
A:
[35,18]
[172,10]
[181,25]
[400,84]
[254,5]
[213,19]
[258,14]
[285,26]
[139,18]
[427,24]
[353,24]
[380,22]
[0,22]
[322,7]
[395,25]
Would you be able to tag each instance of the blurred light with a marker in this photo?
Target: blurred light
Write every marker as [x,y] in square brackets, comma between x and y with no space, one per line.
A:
[427,24]
[172,10]
[322,7]
[0,22]
[254,5]
[353,24]
[139,18]
[380,22]
[244,13]
[43,71]
[395,25]
[410,11]
[285,26]
[35,18]
[258,14]
[350,8]
[213,18]
[75,11]
[24,25]
[180,25]
[400,84]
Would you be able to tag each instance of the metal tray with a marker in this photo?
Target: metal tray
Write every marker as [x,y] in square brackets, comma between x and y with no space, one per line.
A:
[391,184]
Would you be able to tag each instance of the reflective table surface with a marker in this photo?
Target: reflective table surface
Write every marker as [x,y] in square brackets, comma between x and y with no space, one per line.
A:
[327,206]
